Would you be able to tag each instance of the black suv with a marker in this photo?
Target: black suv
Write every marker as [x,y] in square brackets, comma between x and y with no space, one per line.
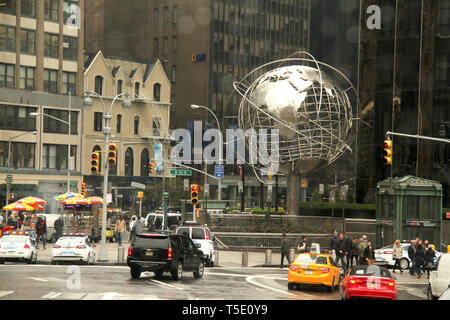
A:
[163,252]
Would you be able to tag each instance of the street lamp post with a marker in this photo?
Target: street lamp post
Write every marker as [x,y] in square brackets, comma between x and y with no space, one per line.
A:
[103,256]
[219,192]
[9,179]
[68,123]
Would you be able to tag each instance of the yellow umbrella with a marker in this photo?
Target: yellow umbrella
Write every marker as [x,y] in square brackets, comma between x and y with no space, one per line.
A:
[75,201]
[68,195]
[32,201]
[18,207]
[94,200]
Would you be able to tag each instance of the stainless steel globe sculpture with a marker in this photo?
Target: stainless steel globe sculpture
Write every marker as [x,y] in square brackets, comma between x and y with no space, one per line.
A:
[310,110]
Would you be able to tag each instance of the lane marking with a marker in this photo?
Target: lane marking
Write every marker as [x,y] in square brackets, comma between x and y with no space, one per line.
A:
[110,296]
[37,279]
[250,280]
[5,293]
[51,295]
[166,284]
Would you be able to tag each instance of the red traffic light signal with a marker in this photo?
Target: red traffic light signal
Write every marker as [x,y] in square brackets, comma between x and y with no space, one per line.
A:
[112,153]
[95,162]
[387,152]
[194,194]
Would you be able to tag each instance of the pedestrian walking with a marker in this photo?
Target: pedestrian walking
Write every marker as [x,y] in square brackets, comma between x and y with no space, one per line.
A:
[412,257]
[397,254]
[121,228]
[285,250]
[301,248]
[420,258]
[355,252]
[132,228]
[59,227]
[348,248]
[429,259]
[333,242]
[41,232]
[341,250]
[362,247]
[139,226]
[369,253]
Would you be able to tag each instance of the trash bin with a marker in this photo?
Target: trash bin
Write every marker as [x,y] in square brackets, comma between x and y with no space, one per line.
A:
[245,259]
[216,258]
[268,256]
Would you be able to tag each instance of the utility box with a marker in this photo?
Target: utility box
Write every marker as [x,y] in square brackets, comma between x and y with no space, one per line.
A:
[407,208]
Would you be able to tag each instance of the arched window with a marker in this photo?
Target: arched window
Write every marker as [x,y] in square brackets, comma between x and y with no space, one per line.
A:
[136,125]
[145,160]
[137,86]
[119,86]
[129,162]
[119,123]
[157,92]
[99,85]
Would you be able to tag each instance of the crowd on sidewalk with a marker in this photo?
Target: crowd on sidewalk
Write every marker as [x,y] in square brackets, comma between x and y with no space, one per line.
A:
[347,252]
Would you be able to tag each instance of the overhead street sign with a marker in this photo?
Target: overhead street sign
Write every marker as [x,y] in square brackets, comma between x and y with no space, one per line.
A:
[138,185]
[179,172]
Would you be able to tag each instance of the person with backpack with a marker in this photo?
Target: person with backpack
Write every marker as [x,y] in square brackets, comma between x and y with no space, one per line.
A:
[429,259]
[41,232]
[362,247]
[355,252]
[419,258]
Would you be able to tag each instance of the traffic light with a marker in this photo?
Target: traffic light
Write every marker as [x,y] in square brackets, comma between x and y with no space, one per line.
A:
[112,154]
[83,189]
[387,152]
[151,168]
[95,162]
[194,194]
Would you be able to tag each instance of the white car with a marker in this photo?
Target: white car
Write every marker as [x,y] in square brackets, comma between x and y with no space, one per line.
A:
[384,256]
[440,277]
[200,235]
[17,247]
[73,247]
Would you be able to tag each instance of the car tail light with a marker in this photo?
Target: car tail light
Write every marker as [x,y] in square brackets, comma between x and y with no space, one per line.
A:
[391,284]
[56,246]
[169,253]
[207,237]
[130,250]
[387,252]
[352,281]
[324,270]
[293,268]
[26,246]
[81,246]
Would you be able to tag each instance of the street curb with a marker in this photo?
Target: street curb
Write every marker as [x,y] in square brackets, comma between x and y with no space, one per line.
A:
[114,264]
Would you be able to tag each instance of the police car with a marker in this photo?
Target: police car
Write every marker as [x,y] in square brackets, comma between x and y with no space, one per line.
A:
[200,234]
[17,247]
[383,256]
[73,247]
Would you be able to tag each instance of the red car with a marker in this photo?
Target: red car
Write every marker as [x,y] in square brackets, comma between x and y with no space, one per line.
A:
[368,282]
[4,228]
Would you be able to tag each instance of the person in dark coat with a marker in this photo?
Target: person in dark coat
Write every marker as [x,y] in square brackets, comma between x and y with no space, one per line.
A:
[369,253]
[333,242]
[420,259]
[59,227]
[285,250]
[41,231]
[429,259]
[341,251]
[348,248]
[355,252]
[412,257]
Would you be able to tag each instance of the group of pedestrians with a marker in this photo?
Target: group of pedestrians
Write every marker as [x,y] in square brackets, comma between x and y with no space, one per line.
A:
[422,257]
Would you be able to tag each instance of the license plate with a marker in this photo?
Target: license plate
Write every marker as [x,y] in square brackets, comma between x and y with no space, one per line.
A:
[67,253]
[372,285]
[11,252]
[379,258]
[308,272]
[149,253]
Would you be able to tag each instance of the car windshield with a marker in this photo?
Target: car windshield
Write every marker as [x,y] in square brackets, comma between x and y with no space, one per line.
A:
[150,218]
[152,241]
[370,271]
[311,259]
[12,239]
[172,220]
[184,231]
[198,234]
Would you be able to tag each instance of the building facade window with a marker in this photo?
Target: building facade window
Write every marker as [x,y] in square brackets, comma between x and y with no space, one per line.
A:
[69,83]
[156,126]
[98,85]
[157,92]
[7,75]
[137,86]
[166,16]
[145,160]
[28,8]
[174,44]
[51,45]
[27,78]
[70,48]
[69,7]
[175,14]
[119,86]
[22,154]
[51,10]
[155,47]
[119,123]
[156,18]
[98,121]
[165,45]
[7,38]
[174,73]
[9,7]
[28,41]
[55,126]
[136,125]
[17,118]
[129,162]
[50,81]
[54,156]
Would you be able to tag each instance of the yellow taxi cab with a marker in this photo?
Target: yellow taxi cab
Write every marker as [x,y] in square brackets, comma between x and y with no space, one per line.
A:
[313,269]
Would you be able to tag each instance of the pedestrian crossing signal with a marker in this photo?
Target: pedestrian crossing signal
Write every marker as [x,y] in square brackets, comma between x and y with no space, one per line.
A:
[95,162]
[387,152]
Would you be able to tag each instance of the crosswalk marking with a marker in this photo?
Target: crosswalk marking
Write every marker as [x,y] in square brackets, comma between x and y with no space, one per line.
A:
[50,295]
[5,293]
[37,279]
